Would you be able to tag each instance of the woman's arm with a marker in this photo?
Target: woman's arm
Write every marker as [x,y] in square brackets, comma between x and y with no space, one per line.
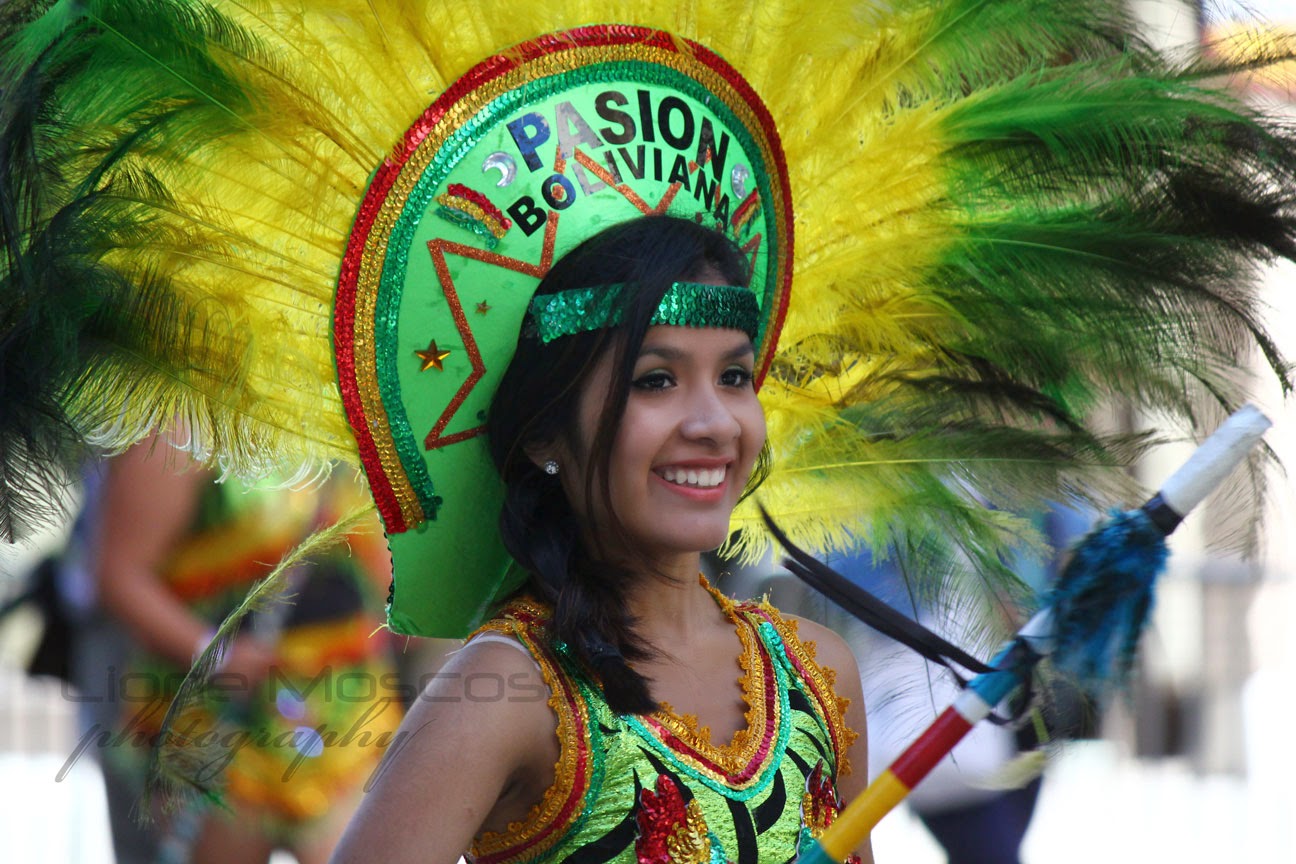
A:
[833,653]
[148,504]
[476,749]
[150,496]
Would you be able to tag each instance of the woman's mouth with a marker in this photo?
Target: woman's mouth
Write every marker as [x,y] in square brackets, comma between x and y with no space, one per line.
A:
[695,478]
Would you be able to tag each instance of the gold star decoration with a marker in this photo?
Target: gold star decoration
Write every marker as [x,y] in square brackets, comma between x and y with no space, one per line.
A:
[483,307]
[432,357]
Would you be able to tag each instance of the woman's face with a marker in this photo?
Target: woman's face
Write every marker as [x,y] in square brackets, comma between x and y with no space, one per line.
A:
[690,435]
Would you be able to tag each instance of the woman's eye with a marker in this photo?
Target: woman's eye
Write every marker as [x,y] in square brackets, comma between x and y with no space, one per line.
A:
[736,377]
[653,381]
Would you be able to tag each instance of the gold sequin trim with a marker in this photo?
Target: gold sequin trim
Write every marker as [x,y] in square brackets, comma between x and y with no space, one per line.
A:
[523,840]
[822,681]
[736,756]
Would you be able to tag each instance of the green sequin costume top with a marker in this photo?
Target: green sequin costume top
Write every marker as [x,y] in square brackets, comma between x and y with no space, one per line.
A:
[654,789]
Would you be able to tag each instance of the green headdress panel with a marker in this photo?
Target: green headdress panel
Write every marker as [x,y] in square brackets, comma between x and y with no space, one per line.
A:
[528,154]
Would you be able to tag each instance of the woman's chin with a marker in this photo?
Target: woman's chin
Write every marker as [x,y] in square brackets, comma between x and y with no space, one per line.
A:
[692,540]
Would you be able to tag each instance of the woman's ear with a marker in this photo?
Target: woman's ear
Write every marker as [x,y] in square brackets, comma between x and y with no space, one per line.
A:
[545,457]
[554,451]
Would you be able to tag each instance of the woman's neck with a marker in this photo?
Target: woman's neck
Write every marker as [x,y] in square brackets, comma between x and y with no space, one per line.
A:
[674,611]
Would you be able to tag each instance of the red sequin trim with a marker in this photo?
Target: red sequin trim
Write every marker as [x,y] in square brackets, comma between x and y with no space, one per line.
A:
[344,347]
[439,248]
[760,757]
[531,633]
[468,193]
[580,786]
[810,681]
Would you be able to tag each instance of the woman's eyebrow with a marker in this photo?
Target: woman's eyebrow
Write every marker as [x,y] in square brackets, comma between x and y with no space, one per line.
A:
[667,352]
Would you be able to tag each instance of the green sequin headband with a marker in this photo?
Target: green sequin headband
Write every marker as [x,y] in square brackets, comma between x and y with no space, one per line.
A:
[685,304]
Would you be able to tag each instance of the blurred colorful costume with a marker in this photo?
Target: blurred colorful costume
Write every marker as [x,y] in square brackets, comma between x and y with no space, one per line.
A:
[297,743]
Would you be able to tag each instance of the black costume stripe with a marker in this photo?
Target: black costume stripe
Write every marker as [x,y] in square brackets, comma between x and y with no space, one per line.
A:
[608,846]
[801,764]
[745,832]
[615,841]
[799,701]
[818,745]
[768,811]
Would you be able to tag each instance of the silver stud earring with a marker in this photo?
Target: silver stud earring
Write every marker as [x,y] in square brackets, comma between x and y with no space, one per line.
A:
[551,467]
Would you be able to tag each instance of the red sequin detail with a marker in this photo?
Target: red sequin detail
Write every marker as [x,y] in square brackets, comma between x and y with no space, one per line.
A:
[629,194]
[605,175]
[759,758]
[661,813]
[747,209]
[821,805]
[467,192]
[433,439]
[439,248]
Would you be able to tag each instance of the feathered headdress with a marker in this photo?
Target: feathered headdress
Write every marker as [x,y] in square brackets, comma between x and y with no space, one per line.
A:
[1005,212]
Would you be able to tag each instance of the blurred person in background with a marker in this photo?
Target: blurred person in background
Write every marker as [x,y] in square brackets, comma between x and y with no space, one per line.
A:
[309,687]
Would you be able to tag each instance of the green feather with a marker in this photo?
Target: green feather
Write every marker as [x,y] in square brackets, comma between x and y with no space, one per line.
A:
[1112,212]
[86,337]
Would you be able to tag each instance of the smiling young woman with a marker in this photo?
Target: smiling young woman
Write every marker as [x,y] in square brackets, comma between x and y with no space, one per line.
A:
[639,704]
[688,440]
[619,407]
[224,242]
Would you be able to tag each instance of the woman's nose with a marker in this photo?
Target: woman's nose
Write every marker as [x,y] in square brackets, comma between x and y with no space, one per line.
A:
[710,417]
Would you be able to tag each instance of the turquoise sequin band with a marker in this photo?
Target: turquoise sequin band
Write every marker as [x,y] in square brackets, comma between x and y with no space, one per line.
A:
[685,304]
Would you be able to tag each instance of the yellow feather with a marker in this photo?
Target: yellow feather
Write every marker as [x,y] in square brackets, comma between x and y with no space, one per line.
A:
[259,222]
[265,216]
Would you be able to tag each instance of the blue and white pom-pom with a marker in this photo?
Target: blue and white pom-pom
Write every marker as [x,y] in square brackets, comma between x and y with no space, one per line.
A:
[1105,594]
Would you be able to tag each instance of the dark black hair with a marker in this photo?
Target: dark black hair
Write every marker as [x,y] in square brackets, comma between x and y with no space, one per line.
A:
[536,405]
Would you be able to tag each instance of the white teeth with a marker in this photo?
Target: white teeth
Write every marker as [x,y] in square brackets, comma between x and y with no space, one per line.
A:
[702,478]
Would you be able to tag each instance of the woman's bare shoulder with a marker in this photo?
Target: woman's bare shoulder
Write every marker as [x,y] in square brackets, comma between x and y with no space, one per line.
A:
[492,688]
[473,730]
[828,642]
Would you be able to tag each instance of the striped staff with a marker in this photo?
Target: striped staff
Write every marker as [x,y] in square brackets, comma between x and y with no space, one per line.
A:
[1090,626]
